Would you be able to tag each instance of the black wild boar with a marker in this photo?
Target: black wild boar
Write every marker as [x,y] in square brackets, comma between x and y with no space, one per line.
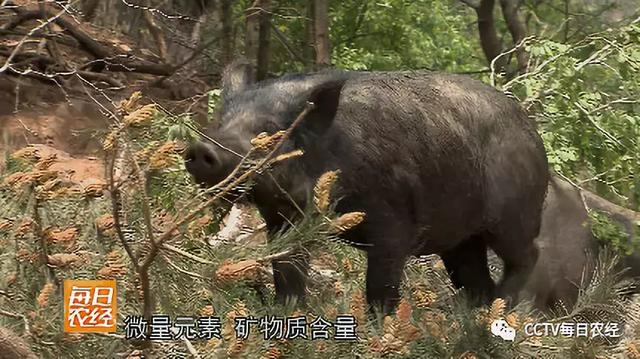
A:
[440,164]
[567,249]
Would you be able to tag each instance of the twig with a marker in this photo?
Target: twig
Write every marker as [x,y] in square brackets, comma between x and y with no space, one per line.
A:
[192,350]
[44,251]
[179,251]
[115,211]
[511,50]
[283,40]
[625,100]
[27,327]
[607,134]
[184,271]
[592,57]
[276,256]
[188,60]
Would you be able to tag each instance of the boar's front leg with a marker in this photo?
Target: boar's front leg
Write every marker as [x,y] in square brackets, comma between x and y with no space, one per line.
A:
[289,273]
[290,278]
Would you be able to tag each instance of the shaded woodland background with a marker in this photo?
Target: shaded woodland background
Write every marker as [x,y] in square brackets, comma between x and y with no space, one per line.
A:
[98,98]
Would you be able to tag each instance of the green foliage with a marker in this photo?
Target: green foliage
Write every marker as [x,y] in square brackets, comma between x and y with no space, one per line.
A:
[403,34]
[612,233]
[584,98]
[380,35]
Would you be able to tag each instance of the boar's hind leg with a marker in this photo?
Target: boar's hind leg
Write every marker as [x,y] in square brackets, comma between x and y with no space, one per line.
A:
[519,255]
[290,277]
[468,269]
[384,273]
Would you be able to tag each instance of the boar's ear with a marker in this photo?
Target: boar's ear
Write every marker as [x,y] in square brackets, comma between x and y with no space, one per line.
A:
[236,77]
[326,98]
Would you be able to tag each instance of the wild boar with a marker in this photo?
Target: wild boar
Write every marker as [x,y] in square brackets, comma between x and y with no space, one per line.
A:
[568,249]
[439,163]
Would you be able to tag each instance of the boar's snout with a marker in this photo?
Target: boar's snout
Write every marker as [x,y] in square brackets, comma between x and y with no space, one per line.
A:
[203,163]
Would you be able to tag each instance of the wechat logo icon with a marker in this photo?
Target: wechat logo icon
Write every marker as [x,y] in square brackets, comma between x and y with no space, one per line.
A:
[501,329]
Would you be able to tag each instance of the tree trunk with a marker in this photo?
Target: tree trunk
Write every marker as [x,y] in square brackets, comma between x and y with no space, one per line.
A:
[227,32]
[89,9]
[252,34]
[264,42]
[321,27]
[309,38]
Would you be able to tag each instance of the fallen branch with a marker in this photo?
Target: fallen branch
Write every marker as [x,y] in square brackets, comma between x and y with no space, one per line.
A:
[17,48]
[39,75]
[85,41]
[230,183]
[96,76]
[24,58]
[60,38]
[105,58]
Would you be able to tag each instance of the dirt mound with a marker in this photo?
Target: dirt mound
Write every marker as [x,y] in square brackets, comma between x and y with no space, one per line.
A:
[80,170]
[68,126]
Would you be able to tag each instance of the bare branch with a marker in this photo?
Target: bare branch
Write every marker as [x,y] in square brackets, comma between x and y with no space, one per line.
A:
[598,127]
[286,44]
[17,48]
